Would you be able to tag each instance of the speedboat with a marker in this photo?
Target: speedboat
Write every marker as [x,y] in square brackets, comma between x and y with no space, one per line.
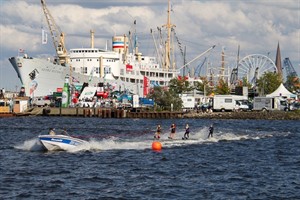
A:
[60,142]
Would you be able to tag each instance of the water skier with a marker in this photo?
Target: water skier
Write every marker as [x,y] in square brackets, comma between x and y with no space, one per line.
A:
[187,132]
[158,131]
[173,131]
[211,131]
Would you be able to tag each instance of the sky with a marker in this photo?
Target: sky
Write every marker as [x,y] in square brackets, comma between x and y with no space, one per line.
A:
[257,26]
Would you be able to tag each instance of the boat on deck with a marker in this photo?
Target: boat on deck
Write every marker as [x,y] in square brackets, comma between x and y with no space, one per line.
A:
[60,142]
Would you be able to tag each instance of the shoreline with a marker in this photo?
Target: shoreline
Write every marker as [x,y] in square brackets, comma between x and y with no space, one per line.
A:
[115,113]
[255,115]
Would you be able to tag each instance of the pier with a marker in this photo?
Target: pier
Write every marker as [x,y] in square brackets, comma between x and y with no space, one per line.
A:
[146,114]
[105,113]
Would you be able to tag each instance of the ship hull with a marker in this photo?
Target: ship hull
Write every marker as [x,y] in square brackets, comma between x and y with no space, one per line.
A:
[39,77]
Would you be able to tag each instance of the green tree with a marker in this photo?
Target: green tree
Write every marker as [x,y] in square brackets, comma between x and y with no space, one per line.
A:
[268,83]
[203,86]
[246,83]
[164,98]
[292,83]
[222,87]
[177,86]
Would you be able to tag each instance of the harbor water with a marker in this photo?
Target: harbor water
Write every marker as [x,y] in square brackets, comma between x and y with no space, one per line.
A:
[245,159]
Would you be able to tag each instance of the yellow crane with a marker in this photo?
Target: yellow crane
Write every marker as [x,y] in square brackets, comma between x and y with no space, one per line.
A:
[58,37]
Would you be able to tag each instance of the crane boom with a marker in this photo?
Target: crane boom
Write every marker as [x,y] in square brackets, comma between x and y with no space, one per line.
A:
[58,37]
[290,70]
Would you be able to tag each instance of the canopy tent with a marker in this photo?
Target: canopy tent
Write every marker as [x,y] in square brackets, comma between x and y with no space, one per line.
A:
[281,91]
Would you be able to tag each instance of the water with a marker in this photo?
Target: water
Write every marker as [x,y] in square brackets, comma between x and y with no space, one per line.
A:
[246,159]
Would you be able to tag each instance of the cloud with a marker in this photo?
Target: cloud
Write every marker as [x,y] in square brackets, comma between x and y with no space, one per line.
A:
[257,26]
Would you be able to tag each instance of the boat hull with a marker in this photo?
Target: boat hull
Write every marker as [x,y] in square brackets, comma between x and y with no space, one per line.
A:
[60,142]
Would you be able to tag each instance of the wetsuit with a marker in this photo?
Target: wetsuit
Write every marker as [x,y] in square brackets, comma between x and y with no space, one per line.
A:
[211,131]
[173,130]
[187,132]
[158,130]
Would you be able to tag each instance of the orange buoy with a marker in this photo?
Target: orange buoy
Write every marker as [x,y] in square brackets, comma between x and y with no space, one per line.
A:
[156,145]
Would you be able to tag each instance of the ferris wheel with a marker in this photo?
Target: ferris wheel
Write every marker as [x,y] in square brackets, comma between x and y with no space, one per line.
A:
[253,66]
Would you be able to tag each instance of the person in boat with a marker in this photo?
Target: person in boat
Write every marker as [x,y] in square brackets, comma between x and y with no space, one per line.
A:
[51,131]
[211,131]
[173,131]
[187,132]
[64,132]
[158,131]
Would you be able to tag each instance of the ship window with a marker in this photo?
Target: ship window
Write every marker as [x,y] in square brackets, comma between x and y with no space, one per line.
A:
[107,70]
[84,70]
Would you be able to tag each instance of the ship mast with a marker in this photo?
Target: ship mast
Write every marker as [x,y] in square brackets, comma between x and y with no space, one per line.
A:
[58,37]
[169,26]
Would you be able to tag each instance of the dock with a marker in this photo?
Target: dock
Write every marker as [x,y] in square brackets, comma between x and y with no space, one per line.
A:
[104,113]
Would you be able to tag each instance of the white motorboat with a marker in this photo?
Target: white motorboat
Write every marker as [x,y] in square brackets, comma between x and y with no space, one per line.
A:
[60,142]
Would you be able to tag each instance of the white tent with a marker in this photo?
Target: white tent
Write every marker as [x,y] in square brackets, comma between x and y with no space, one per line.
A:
[281,91]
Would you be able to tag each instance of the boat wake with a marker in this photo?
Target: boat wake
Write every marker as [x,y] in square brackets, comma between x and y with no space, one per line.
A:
[31,145]
[145,141]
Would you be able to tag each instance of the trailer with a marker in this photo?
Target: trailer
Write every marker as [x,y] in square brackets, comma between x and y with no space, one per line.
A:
[227,102]
[188,102]
[270,103]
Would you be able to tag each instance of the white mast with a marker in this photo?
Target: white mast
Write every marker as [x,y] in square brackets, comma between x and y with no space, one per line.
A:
[169,26]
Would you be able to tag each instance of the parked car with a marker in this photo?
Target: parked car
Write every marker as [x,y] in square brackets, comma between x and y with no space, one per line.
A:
[40,102]
[206,107]
[294,106]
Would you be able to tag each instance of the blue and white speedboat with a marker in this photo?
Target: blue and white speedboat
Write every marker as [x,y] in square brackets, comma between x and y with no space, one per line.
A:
[60,142]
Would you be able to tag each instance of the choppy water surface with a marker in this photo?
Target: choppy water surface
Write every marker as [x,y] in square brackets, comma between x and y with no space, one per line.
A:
[246,159]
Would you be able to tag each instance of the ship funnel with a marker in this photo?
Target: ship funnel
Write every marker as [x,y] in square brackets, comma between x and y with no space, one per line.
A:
[92,38]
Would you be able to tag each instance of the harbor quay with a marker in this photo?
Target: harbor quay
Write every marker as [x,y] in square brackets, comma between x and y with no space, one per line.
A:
[103,113]
[146,114]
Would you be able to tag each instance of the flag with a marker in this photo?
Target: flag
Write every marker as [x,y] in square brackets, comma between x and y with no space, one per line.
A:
[146,86]
[44,37]
[21,50]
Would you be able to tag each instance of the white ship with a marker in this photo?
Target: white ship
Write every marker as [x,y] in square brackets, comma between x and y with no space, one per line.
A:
[123,71]
[119,68]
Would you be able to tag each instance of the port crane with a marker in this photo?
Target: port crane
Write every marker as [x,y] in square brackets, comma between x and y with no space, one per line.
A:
[291,76]
[290,70]
[58,37]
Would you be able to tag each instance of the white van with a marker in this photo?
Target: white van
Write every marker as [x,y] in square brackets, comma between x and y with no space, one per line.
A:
[226,102]
[40,102]
[270,103]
